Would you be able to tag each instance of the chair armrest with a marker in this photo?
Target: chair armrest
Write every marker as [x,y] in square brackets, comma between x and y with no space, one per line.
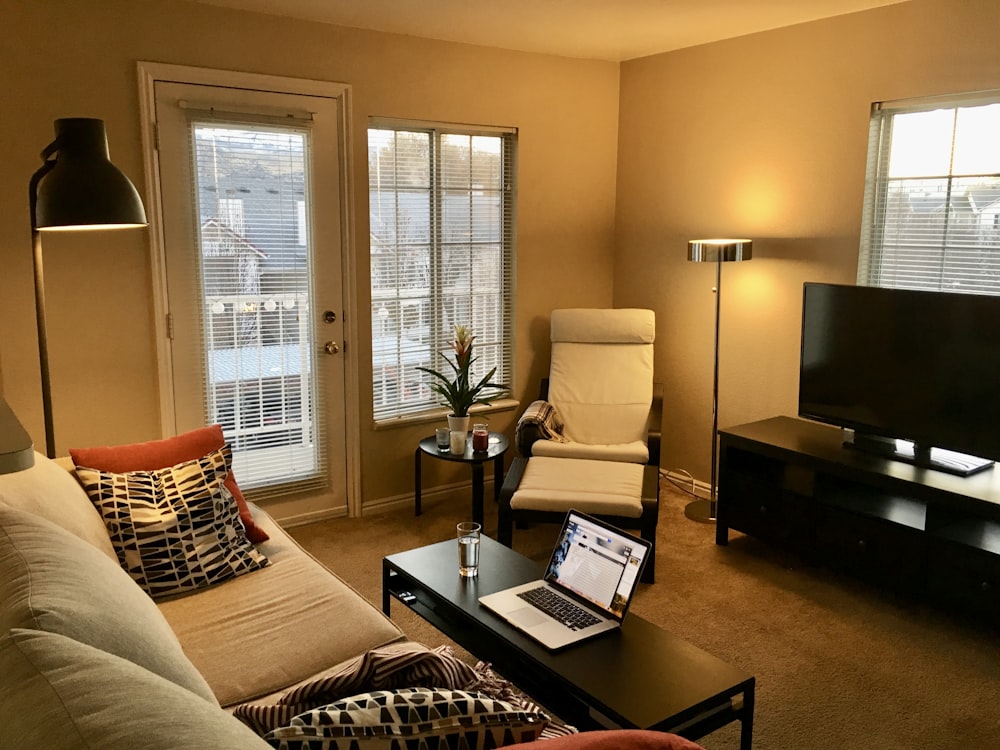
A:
[525,434]
[538,422]
[654,425]
[528,431]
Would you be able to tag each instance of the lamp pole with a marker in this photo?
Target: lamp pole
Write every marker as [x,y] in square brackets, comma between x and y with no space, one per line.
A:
[719,252]
[713,501]
[39,272]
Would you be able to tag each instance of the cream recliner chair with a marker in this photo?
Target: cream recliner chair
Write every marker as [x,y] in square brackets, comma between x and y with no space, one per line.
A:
[592,440]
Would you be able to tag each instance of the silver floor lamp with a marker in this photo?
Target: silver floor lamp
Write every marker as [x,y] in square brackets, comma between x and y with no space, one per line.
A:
[718,252]
[76,188]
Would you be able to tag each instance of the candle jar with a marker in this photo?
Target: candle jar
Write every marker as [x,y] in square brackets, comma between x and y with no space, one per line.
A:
[457,442]
[480,437]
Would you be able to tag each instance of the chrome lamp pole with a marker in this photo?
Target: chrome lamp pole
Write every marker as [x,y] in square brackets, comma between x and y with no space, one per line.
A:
[718,252]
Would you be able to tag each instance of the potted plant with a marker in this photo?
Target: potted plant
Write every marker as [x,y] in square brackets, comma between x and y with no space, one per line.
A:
[460,392]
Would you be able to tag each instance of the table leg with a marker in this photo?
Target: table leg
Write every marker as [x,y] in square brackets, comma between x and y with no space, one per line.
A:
[497,477]
[746,725]
[478,513]
[416,482]
[386,599]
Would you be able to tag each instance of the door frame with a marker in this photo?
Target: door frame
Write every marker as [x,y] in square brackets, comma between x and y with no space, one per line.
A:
[148,74]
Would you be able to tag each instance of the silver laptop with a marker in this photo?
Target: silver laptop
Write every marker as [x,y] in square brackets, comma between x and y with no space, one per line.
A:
[587,588]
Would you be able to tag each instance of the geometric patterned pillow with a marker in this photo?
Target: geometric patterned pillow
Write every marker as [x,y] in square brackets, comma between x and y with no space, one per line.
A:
[410,719]
[175,529]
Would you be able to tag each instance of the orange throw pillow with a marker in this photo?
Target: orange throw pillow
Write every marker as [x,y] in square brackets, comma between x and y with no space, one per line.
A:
[160,454]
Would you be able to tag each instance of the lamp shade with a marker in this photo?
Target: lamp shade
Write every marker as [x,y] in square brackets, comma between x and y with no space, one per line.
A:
[714,251]
[16,450]
[84,190]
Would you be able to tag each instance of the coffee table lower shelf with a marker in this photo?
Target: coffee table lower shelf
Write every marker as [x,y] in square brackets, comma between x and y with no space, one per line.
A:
[641,677]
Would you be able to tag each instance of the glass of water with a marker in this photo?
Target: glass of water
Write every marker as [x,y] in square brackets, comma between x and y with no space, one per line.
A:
[468,548]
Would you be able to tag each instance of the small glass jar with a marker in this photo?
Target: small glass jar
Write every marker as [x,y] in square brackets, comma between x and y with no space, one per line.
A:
[480,437]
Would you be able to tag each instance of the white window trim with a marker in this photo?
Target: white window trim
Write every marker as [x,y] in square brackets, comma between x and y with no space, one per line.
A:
[498,405]
[148,74]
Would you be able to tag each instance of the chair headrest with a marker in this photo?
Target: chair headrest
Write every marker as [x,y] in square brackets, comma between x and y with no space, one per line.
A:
[603,326]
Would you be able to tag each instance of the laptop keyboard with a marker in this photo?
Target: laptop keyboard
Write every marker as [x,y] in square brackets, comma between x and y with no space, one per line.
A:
[559,607]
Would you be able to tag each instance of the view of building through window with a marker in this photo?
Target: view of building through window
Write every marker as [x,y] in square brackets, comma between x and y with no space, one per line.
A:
[932,218]
[251,187]
[441,223]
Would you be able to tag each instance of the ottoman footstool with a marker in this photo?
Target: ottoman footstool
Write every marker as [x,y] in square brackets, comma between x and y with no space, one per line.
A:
[543,488]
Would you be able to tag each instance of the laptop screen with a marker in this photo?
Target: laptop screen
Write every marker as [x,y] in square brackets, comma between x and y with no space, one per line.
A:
[597,562]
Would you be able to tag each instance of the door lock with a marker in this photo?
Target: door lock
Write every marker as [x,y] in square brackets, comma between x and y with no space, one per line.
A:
[332,347]
[329,316]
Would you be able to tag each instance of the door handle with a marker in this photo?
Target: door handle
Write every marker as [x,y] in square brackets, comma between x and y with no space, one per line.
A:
[332,347]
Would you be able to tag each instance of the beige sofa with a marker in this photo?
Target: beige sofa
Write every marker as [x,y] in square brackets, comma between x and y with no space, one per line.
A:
[87,659]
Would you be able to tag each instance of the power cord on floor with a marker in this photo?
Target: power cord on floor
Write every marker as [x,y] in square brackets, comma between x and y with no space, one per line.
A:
[667,475]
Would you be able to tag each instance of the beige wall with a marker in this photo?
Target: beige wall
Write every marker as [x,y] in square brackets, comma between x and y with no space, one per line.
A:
[62,58]
[765,136]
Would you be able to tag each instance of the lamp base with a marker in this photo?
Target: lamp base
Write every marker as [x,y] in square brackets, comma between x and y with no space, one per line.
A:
[702,511]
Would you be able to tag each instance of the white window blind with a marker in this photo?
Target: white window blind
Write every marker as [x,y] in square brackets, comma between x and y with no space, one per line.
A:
[251,181]
[442,254]
[932,197]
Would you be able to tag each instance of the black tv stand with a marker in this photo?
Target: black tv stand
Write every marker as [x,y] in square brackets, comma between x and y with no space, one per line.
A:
[916,530]
[924,456]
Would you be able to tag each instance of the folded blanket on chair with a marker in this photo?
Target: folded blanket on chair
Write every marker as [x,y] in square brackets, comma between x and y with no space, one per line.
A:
[543,417]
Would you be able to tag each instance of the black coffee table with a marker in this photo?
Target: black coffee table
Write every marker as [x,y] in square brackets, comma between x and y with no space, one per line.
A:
[641,677]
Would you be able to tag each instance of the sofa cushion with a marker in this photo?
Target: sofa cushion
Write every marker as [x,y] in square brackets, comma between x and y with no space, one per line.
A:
[58,693]
[53,581]
[159,454]
[49,491]
[419,718]
[284,608]
[175,529]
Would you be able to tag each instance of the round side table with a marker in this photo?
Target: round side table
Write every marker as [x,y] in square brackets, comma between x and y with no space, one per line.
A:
[498,445]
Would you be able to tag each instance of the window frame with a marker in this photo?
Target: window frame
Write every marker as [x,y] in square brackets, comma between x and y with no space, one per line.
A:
[427,406]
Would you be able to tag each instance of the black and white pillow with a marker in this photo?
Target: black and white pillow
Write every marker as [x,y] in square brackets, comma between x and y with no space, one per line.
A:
[411,719]
[174,529]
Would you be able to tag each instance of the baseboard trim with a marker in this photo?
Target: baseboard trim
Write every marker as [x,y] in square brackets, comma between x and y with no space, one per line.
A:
[457,491]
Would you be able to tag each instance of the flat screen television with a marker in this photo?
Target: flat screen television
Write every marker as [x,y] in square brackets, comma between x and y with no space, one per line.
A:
[914,375]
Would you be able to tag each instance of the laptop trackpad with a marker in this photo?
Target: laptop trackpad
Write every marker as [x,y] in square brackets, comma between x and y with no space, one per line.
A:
[527,617]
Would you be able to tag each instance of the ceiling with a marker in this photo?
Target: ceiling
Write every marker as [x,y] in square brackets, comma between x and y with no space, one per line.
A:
[597,29]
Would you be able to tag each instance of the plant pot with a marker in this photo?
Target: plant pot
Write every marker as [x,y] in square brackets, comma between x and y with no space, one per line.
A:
[458,424]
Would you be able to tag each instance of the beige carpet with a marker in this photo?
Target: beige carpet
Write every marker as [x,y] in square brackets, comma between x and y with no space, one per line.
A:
[838,664]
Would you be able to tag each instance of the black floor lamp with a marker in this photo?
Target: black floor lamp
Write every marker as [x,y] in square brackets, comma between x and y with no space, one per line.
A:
[718,252]
[76,188]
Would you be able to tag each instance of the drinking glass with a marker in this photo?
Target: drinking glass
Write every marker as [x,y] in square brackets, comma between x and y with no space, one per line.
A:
[443,437]
[468,548]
